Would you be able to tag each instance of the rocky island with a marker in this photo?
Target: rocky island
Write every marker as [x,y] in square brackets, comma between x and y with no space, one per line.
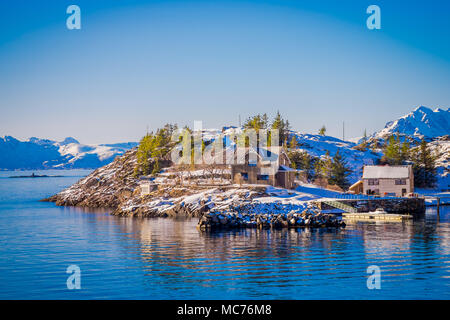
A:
[304,183]
[115,186]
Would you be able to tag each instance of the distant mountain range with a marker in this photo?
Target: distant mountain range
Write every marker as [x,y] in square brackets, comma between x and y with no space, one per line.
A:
[422,122]
[38,153]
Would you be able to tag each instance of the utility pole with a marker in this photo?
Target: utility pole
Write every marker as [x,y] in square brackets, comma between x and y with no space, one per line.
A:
[343,131]
[239,121]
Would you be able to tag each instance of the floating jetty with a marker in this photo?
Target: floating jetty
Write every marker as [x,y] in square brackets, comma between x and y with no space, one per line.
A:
[376,216]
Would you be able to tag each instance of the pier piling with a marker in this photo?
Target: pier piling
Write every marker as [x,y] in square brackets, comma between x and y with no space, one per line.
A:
[438,202]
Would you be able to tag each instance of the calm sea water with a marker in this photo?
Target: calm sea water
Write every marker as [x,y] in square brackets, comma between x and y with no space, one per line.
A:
[125,258]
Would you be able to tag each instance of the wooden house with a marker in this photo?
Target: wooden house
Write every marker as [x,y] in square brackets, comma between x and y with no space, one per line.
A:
[269,166]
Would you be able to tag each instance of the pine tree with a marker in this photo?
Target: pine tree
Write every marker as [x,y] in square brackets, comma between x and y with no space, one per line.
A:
[144,155]
[265,120]
[363,146]
[339,172]
[156,167]
[307,164]
[405,151]
[282,126]
[293,143]
[392,154]
[424,167]
[326,166]
[322,130]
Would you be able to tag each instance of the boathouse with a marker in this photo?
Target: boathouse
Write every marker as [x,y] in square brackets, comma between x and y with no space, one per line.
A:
[269,165]
[386,181]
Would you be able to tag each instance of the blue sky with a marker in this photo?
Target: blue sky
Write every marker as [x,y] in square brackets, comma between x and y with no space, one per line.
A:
[144,63]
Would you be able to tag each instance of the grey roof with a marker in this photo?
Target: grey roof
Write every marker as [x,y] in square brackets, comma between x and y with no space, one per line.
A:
[386,172]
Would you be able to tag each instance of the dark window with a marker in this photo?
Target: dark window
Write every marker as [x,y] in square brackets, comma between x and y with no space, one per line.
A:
[244,175]
[373,182]
[400,182]
[263,177]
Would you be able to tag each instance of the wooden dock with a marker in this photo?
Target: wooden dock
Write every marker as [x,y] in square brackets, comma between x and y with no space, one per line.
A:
[376,216]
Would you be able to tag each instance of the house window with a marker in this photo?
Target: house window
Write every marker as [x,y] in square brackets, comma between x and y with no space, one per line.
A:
[252,164]
[263,177]
[400,182]
[373,182]
[244,175]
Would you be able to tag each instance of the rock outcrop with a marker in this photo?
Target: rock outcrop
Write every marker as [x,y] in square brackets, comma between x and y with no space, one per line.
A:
[106,187]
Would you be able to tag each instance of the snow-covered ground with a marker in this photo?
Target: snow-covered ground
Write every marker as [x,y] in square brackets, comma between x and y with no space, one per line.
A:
[217,199]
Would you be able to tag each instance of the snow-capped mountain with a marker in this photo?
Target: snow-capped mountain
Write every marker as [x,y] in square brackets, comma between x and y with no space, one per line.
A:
[38,153]
[422,122]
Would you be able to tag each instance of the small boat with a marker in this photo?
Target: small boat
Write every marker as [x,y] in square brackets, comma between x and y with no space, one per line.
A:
[35,176]
[379,211]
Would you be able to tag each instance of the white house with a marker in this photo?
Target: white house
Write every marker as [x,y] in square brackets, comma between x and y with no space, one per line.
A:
[388,180]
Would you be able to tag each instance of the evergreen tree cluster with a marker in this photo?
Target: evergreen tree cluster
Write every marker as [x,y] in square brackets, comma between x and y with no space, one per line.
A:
[396,152]
[152,148]
[421,158]
[333,169]
[261,122]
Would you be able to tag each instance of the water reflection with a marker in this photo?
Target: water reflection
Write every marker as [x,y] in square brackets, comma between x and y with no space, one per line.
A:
[129,258]
[278,263]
